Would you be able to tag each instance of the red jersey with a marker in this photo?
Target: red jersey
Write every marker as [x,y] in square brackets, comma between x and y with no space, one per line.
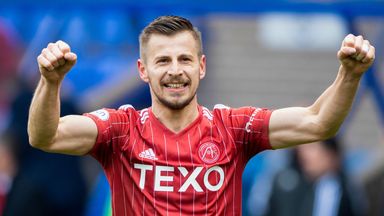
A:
[198,171]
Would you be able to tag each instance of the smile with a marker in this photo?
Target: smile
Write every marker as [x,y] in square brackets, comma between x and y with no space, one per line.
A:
[176,85]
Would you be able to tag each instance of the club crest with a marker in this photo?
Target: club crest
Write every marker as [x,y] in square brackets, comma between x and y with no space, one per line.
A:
[209,152]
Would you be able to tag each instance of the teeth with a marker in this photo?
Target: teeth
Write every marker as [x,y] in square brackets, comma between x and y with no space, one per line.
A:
[175,85]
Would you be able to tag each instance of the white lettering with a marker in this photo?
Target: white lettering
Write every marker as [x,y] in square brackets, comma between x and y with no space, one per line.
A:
[143,169]
[159,178]
[247,127]
[249,123]
[221,180]
[191,180]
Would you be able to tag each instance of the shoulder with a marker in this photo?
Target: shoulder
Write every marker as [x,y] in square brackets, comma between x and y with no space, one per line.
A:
[222,113]
[239,116]
[226,111]
[141,115]
[126,111]
[214,114]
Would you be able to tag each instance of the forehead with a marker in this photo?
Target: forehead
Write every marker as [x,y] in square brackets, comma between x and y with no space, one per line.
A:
[180,43]
[312,148]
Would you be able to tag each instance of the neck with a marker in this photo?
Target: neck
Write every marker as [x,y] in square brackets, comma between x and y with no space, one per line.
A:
[176,120]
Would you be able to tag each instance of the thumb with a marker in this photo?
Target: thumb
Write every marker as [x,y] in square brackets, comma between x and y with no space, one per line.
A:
[70,57]
[70,60]
[346,52]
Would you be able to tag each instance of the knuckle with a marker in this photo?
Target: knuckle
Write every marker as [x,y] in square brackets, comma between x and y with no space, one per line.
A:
[59,54]
[46,52]
[61,43]
[40,59]
[47,65]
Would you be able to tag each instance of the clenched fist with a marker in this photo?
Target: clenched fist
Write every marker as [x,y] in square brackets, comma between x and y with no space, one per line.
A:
[356,54]
[55,61]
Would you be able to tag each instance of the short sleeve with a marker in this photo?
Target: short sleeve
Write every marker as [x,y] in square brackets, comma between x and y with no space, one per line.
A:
[251,128]
[110,125]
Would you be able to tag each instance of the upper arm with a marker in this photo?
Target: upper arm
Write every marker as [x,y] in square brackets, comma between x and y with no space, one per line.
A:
[76,135]
[293,126]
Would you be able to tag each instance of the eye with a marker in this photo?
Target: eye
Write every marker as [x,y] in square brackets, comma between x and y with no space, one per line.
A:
[162,61]
[186,59]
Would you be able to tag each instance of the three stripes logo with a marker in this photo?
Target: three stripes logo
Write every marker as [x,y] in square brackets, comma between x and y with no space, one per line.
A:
[144,115]
[126,107]
[207,113]
[148,154]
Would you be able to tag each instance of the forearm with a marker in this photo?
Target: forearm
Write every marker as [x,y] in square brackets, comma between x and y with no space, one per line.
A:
[298,125]
[332,107]
[44,113]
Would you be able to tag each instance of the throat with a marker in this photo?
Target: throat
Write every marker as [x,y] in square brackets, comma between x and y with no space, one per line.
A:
[176,120]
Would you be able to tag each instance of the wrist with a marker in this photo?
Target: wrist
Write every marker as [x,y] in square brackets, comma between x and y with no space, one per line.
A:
[349,76]
[51,82]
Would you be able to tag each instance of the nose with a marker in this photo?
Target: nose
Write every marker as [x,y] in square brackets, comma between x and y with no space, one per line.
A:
[175,70]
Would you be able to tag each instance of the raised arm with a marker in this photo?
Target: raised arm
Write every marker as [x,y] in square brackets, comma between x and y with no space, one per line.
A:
[321,120]
[72,134]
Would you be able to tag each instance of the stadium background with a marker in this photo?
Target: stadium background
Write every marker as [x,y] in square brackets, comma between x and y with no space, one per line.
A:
[263,53]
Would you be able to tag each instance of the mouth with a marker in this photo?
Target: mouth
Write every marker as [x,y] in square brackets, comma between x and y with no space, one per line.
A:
[175,85]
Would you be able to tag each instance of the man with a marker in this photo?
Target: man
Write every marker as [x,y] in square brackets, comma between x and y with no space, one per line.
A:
[178,157]
[315,184]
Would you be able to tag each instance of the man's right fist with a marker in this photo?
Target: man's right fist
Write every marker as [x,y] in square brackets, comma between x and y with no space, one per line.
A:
[56,60]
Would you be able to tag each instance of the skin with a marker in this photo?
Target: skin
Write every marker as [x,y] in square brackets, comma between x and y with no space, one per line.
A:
[321,120]
[174,59]
[316,160]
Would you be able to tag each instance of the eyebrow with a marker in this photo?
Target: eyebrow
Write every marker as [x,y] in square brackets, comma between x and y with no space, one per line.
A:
[161,57]
[166,56]
[185,55]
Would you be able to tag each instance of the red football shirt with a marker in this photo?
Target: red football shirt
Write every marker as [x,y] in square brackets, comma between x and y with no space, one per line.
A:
[198,171]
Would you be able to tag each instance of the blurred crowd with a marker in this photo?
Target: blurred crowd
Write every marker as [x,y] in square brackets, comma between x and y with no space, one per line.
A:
[33,182]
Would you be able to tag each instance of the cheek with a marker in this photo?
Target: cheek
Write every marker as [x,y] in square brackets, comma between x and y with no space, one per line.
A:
[195,75]
[154,76]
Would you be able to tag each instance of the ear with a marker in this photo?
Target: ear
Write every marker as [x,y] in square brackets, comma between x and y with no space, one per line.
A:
[142,70]
[202,66]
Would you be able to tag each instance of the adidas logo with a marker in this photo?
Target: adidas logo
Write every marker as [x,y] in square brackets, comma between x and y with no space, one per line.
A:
[144,115]
[149,154]
[207,113]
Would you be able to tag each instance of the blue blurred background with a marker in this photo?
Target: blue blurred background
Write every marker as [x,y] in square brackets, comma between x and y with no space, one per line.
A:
[263,53]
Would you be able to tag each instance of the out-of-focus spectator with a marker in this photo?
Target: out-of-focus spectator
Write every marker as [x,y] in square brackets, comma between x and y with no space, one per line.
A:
[7,170]
[374,187]
[315,185]
[375,193]
[9,58]
[45,184]
[9,52]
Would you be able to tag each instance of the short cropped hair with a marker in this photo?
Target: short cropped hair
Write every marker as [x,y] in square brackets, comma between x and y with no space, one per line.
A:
[169,26]
[333,145]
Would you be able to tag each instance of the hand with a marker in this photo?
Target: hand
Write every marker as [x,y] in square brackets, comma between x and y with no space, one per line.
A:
[356,55]
[55,61]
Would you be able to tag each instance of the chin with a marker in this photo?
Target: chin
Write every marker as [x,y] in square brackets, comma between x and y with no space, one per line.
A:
[176,105]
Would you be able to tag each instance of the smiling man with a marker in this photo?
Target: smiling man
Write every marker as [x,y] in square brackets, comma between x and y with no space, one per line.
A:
[178,157]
